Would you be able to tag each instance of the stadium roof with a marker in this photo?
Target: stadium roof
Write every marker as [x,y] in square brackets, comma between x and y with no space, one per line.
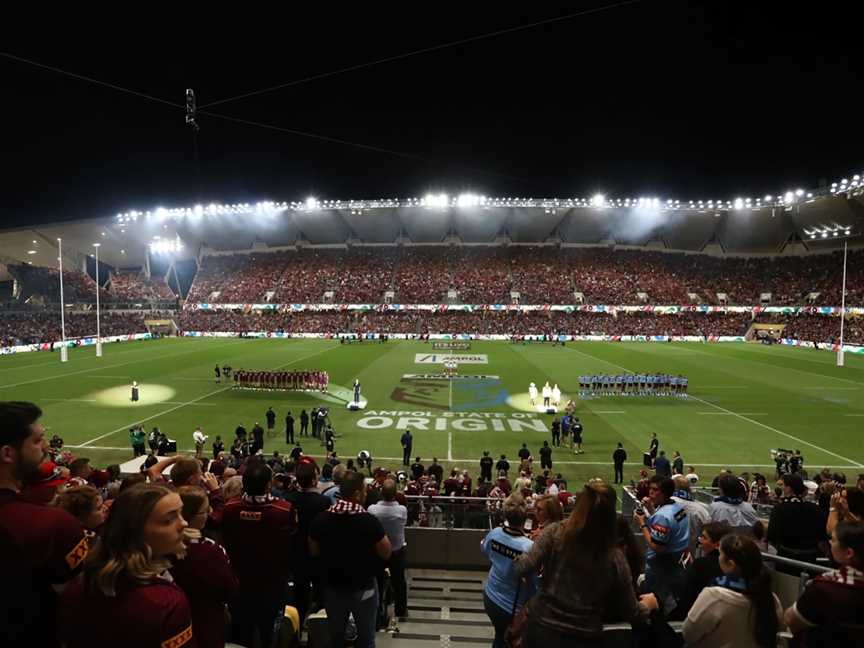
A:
[737,226]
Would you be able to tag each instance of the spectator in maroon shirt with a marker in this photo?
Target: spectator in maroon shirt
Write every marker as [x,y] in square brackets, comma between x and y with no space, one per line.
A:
[41,548]
[258,532]
[204,574]
[828,613]
[126,596]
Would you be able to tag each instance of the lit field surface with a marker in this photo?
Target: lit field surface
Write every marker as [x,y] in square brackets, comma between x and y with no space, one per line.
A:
[744,400]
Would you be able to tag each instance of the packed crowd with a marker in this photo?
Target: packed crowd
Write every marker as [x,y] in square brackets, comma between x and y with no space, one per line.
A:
[135,287]
[43,284]
[89,554]
[541,274]
[19,328]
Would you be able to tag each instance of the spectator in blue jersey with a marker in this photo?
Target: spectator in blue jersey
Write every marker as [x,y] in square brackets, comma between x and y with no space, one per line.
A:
[504,595]
[666,530]
[730,506]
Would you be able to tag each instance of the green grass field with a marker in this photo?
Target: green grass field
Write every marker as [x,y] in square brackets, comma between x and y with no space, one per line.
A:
[744,400]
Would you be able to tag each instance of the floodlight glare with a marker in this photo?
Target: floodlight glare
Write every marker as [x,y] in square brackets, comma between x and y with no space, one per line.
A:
[598,200]
[739,203]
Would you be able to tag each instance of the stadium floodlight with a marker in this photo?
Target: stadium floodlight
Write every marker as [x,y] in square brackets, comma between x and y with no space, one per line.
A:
[768,198]
[788,197]
[31,251]
[311,203]
[598,200]
[799,192]
[739,203]
[467,200]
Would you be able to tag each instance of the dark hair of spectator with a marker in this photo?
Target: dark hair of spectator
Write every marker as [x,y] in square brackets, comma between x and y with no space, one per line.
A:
[851,536]
[352,484]
[121,553]
[855,501]
[327,471]
[16,417]
[794,481]
[256,478]
[183,470]
[149,462]
[632,550]
[113,472]
[305,474]
[132,480]
[664,484]
[759,530]
[716,530]
[731,486]
[193,498]
[76,468]
[747,557]
[589,532]
[79,501]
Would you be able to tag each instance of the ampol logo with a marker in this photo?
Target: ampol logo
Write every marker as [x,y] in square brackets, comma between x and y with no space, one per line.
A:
[460,358]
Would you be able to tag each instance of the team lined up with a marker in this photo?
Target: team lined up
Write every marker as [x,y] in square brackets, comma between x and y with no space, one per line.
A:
[281,380]
[658,384]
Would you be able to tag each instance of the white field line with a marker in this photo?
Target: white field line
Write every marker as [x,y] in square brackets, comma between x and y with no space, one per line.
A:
[741,416]
[120,364]
[193,401]
[449,446]
[732,414]
[54,358]
[766,364]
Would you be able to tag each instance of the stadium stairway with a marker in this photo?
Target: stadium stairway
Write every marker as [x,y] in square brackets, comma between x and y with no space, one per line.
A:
[445,608]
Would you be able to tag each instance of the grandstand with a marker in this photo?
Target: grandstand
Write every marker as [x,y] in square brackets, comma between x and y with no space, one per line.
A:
[599,277]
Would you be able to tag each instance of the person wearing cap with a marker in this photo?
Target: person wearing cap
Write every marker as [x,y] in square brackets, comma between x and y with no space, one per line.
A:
[46,483]
[44,547]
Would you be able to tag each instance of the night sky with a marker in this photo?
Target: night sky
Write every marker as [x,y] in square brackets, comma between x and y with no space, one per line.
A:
[691,100]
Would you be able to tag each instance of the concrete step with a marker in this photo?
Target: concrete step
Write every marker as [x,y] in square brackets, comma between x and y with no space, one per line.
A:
[435,614]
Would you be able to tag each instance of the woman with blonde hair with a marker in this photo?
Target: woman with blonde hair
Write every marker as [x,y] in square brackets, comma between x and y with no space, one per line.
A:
[204,573]
[125,596]
[585,577]
[547,510]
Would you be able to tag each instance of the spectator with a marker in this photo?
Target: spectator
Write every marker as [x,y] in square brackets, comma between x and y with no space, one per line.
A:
[308,503]
[662,467]
[42,547]
[504,595]
[585,578]
[730,505]
[828,613]
[393,517]
[796,527]
[124,577]
[436,470]
[691,476]
[352,545]
[204,572]
[741,610]
[502,467]
[258,532]
[334,492]
[630,548]
[847,505]
[547,510]
[667,536]
[702,571]
[85,504]
[698,513]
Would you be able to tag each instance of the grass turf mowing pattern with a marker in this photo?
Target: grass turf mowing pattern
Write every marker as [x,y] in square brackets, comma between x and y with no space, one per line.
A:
[745,400]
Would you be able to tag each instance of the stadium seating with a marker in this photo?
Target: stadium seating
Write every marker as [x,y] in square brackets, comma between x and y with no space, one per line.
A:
[135,287]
